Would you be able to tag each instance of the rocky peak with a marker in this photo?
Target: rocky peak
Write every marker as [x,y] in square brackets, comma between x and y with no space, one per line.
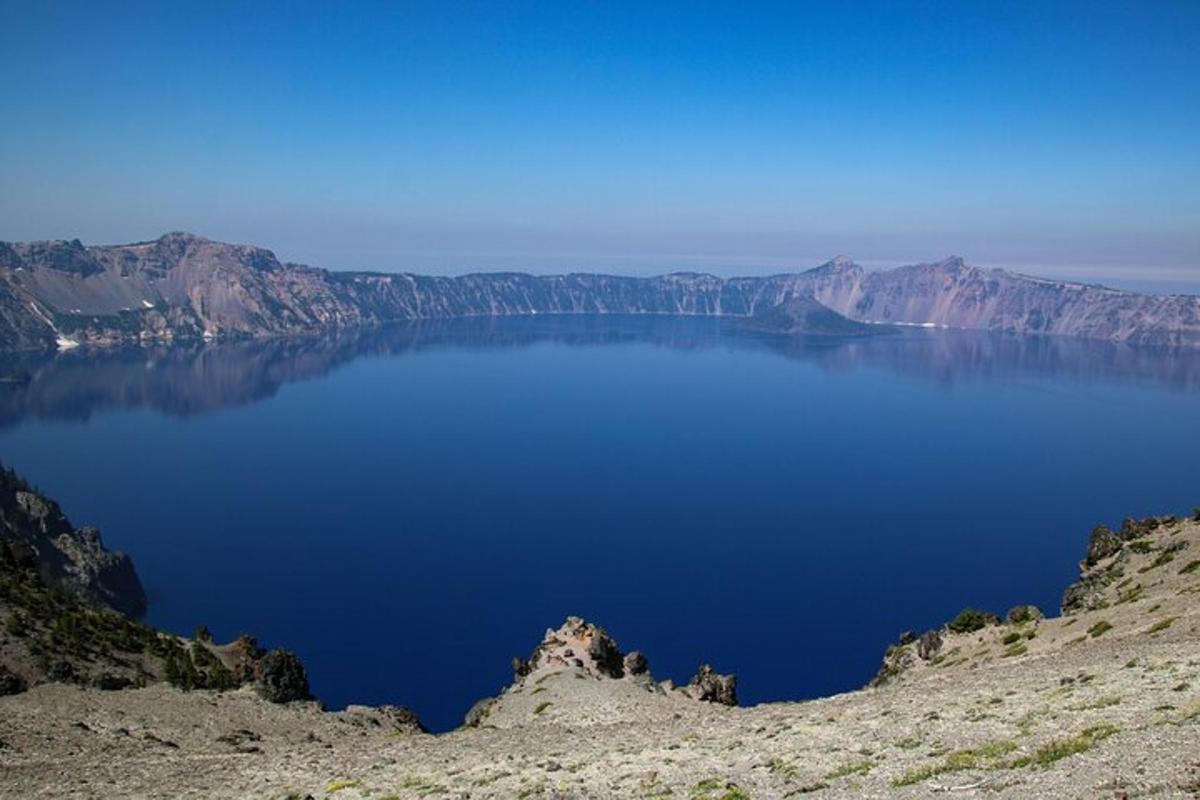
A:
[580,672]
[580,645]
[837,265]
[950,264]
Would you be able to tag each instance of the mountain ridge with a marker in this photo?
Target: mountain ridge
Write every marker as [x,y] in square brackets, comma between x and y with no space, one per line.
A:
[186,287]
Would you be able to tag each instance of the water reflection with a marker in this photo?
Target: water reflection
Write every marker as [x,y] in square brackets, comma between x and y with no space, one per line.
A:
[189,379]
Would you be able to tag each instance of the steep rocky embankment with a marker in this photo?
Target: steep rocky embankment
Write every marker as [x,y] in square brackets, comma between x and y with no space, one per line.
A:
[36,529]
[183,287]
[1100,701]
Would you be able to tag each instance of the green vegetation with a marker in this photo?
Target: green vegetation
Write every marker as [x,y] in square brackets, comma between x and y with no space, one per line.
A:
[960,760]
[1019,649]
[1022,614]
[1141,546]
[729,791]
[1048,753]
[1103,702]
[1191,567]
[1131,595]
[850,768]
[336,786]
[1011,638]
[970,620]
[1161,625]
[68,634]
[542,707]
[1100,628]
[1164,558]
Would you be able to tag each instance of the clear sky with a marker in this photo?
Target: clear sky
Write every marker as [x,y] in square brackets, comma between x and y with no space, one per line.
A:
[1061,138]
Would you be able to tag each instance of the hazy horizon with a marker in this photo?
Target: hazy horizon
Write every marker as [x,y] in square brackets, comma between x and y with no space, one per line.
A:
[456,137]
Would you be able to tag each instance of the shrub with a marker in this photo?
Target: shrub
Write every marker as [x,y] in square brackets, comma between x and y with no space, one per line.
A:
[970,620]
[1022,614]
[1100,628]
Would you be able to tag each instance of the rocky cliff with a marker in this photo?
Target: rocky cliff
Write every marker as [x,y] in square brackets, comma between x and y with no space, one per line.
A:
[74,557]
[183,287]
[67,606]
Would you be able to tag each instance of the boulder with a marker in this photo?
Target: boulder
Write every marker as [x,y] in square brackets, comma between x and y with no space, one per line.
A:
[636,663]
[10,682]
[281,677]
[929,644]
[710,686]
[605,654]
[1102,544]
[400,719]
[479,712]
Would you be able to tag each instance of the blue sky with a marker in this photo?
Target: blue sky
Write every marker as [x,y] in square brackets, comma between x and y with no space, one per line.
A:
[1058,138]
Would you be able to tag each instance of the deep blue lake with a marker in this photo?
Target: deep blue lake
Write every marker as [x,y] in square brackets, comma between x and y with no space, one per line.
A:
[409,508]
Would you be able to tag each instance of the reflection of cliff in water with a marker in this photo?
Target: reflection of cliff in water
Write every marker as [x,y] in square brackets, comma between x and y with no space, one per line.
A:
[185,380]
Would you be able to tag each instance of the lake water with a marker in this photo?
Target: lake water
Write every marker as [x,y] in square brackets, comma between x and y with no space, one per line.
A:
[409,508]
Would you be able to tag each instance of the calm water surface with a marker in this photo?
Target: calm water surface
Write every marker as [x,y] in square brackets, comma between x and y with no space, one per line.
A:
[409,508]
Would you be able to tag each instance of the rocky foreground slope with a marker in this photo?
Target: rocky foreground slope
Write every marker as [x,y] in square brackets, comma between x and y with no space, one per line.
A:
[183,287]
[1100,701]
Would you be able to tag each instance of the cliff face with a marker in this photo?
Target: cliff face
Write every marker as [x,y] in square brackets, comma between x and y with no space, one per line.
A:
[953,294]
[184,287]
[63,553]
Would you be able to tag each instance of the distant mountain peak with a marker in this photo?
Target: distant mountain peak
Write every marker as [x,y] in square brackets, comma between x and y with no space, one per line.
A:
[181,237]
[837,264]
[951,262]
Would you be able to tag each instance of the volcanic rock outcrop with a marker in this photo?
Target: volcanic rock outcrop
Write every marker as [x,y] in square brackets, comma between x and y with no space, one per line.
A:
[579,667]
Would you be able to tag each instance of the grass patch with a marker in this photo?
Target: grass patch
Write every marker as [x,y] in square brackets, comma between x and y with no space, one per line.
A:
[1054,751]
[1100,628]
[1131,595]
[1161,625]
[1018,649]
[1191,567]
[541,707]
[704,790]
[336,786]
[1010,638]
[1103,702]
[1162,560]
[851,768]
[958,761]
